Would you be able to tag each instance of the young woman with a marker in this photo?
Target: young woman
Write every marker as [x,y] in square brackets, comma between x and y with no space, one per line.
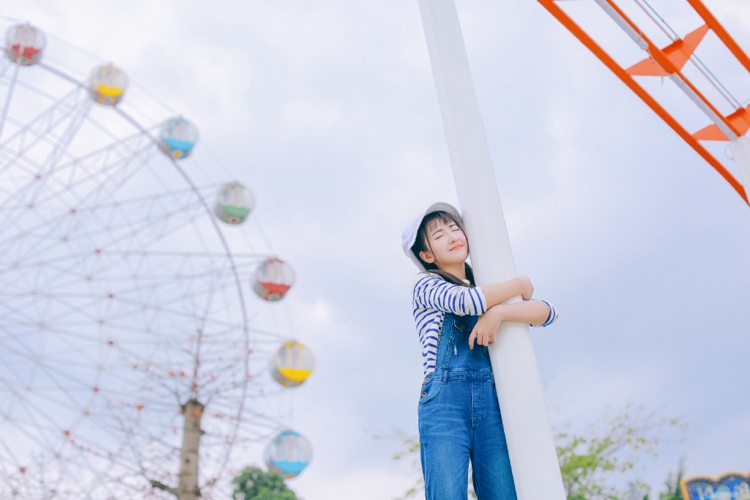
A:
[459,415]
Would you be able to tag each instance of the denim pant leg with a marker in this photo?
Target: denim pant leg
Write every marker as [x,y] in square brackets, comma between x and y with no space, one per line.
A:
[492,475]
[445,442]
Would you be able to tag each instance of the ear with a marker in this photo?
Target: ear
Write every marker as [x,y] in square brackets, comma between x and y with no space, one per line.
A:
[427,256]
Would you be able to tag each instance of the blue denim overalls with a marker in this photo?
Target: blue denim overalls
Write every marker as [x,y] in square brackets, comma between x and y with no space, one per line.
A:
[459,420]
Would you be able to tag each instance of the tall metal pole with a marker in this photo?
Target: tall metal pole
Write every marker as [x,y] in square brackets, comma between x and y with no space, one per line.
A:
[532,451]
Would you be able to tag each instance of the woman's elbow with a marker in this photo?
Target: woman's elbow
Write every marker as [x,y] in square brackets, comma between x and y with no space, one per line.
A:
[547,314]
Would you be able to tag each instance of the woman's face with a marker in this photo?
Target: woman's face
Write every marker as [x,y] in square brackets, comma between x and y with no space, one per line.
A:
[447,245]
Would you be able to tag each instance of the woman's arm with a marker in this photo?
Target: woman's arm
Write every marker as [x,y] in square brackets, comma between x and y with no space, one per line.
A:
[497,293]
[533,312]
[433,292]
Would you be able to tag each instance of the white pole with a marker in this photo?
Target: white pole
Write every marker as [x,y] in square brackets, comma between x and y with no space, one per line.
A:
[532,451]
[741,150]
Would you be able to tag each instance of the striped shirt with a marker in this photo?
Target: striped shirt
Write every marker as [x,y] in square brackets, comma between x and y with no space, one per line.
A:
[433,297]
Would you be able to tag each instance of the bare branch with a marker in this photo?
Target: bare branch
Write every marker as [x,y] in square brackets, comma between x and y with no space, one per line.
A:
[161,486]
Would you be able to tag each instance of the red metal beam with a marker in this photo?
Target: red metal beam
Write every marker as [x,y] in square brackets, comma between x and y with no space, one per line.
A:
[715,25]
[576,30]
[663,60]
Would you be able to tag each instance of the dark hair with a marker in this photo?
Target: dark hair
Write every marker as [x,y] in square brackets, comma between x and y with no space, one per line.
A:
[422,243]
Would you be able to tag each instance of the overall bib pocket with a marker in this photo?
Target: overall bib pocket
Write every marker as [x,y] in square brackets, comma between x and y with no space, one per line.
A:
[430,389]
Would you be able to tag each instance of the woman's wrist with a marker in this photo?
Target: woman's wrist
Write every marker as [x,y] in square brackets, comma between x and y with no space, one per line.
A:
[532,312]
[496,312]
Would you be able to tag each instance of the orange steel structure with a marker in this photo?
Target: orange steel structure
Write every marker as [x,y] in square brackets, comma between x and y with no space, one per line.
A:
[668,62]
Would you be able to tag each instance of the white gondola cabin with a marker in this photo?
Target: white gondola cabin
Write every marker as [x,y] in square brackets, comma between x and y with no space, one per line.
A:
[107,84]
[273,279]
[24,44]
[234,202]
[177,137]
[292,364]
[288,454]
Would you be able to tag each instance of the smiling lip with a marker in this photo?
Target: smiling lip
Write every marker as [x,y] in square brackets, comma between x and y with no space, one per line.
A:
[457,247]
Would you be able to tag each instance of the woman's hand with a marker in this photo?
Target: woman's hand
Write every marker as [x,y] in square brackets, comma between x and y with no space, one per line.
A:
[525,286]
[530,312]
[485,330]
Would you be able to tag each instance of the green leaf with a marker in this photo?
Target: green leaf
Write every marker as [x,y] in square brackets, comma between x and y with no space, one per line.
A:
[255,484]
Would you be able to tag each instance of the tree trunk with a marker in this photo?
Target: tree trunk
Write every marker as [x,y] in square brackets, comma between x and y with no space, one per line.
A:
[191,437]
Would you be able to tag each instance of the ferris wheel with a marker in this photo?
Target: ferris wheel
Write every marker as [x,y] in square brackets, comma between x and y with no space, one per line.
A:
[135,356]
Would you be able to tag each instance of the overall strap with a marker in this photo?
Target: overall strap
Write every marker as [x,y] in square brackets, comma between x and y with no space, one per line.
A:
[445,343]
[454,360]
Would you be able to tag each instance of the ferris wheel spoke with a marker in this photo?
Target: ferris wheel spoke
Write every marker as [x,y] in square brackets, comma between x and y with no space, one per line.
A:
[265,427]
[33,428]
[71,437]
[50,225]
[68,326]
[105,178]
[135,305]
[265,422]
[53,239]
[95,175]
[50,397]
[5,64]
[109,167]
[92,448]
[46,125]
[132,226]
[19,318]
[39,92]
[171,371]
[8,97]
[78,117]
[154,228]
[8,453]
[25,200]
[244,260]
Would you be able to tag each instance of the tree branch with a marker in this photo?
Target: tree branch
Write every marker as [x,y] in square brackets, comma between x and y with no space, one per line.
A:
[161,486]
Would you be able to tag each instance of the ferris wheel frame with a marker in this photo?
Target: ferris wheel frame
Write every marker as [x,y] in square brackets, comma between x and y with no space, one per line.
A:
[59,152]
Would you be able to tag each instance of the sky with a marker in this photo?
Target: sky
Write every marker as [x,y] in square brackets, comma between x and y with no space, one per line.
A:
[328,111]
